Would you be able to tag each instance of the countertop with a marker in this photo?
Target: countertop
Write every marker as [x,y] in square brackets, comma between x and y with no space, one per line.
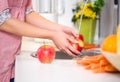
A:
[29,69]
[32,44]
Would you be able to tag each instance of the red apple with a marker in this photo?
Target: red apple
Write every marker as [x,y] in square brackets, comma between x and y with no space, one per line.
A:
[80,36]
[46,54]
[79,44]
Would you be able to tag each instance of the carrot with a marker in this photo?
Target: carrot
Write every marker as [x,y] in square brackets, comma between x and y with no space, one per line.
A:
[88,66]
[92,66]
[104,62]
[110,68]
[99,70]
[89,59]
[83,62]
[97,64]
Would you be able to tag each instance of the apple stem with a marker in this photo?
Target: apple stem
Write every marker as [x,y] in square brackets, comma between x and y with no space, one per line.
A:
[44,42]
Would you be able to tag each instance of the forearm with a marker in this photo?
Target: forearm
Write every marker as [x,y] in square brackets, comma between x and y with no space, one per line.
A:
[23,29]
[39,21]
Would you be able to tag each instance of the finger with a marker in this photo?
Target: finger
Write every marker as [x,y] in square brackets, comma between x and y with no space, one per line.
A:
[74,34]
[74,51]
[71,31]
[72,39]
[67,51]
[71,53]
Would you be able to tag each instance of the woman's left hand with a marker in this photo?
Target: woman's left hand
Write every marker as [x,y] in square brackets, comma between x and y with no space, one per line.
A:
[70,32]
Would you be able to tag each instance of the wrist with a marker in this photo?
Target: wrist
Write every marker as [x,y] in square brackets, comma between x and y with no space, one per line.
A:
[51,35]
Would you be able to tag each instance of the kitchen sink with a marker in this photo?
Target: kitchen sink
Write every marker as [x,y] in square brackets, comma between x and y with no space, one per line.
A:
[61,55]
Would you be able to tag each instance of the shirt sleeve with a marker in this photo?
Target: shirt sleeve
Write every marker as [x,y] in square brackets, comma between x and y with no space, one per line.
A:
[4,11]
[29,7]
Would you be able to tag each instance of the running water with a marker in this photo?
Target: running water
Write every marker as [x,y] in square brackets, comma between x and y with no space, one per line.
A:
[82,15]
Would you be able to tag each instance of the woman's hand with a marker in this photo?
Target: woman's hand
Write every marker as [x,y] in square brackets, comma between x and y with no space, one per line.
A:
[69,31]
[62,41]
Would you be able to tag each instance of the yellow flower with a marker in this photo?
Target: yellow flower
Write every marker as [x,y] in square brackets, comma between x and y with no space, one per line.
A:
[87,13]
[87,5]
[93,15]
[90,5]
[90,11]
[78,14]
[81,5]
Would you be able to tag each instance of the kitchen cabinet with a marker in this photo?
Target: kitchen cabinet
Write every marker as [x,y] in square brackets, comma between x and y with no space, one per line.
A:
[29,69]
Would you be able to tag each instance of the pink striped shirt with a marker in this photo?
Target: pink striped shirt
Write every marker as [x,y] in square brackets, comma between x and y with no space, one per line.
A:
[9,43]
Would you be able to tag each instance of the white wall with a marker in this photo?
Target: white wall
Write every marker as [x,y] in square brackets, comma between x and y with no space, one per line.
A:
[65,18]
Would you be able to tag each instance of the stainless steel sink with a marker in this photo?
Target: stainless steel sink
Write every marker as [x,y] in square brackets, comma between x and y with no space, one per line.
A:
[61,55]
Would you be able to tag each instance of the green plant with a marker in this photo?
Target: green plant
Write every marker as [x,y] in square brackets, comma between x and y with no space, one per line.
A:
[92,9]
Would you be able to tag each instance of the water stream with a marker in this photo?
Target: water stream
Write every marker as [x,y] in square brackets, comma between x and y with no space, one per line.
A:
[85,2]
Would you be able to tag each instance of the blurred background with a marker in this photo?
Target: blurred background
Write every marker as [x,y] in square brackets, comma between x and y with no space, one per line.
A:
[60,11]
